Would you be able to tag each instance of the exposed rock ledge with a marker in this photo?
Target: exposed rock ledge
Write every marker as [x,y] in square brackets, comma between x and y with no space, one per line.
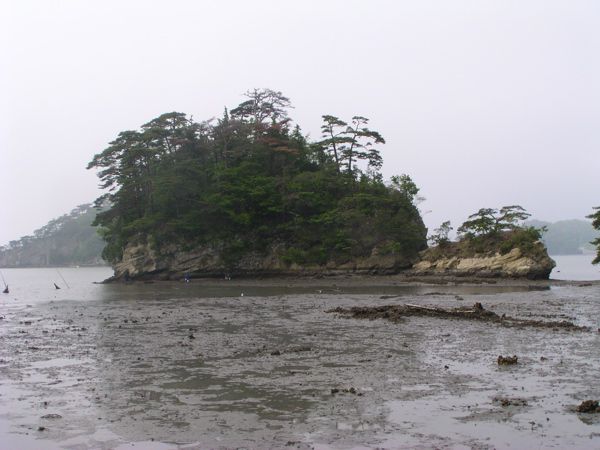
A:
[513,264]
[141,261]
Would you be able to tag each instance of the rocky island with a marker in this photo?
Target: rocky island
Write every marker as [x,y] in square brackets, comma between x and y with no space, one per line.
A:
[533,263]
[492,244]
[250,195]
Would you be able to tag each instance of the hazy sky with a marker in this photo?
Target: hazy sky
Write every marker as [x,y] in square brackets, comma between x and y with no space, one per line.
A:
[483,103]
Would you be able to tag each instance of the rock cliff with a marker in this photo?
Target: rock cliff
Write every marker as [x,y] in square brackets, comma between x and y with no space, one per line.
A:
[532,264]
[142,261]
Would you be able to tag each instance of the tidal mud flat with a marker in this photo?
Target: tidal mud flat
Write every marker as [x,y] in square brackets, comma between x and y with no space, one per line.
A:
[180,365]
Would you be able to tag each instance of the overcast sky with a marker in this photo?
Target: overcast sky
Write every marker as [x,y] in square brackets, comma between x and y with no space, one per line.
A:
[482,103]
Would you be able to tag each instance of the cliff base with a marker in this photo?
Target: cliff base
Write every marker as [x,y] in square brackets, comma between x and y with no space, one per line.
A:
[142,261]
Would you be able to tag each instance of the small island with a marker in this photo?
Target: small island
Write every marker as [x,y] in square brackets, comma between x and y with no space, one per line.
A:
[249,194]
[492,244]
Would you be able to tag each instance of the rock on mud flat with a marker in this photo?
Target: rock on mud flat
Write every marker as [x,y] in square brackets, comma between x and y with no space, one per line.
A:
[507,360]
[589,406]
[505,401]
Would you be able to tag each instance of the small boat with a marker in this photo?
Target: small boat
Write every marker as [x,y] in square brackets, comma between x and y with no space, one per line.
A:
[5,291]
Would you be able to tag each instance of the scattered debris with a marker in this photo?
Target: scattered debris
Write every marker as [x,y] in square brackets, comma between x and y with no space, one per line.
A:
[589,406]
[505,401]
[397,313]
[302,348]
[276,353]
[507,360]
[350,390]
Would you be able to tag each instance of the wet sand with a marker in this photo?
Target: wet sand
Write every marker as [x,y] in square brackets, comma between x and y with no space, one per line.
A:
[198,365]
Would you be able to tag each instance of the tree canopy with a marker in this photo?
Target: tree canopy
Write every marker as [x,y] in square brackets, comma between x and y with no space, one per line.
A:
[596,224]
[488,232]
[501,230]
[489,221]
[250,179]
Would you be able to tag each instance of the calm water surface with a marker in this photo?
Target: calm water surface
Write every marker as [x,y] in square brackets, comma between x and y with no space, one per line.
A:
[575,267]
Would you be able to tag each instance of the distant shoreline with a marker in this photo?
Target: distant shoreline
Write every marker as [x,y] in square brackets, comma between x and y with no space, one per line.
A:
[341,280]
[350,280]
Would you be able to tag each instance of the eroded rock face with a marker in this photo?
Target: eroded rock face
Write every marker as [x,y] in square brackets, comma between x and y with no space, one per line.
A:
[513,264]
[141,261]
[137,259]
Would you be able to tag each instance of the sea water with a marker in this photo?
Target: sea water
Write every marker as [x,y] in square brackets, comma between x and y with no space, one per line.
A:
[575,267]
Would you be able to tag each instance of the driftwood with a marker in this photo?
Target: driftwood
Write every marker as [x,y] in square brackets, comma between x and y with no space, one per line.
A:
[427,308]
[396,313]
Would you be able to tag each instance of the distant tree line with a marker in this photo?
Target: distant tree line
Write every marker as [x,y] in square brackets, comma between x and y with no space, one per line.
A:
[250,179]
[567,237]
[65,241]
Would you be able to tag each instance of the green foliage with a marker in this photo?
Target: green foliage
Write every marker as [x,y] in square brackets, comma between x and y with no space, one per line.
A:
[489,221]
[407,187]
[527,239]
[523,238]
[487,232]
[596,224]
[350,143]
[440,235]
[251,180]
